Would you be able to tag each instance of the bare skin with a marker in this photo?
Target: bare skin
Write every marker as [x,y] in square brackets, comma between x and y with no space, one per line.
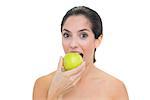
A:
[95,85]
[85,82]
[98,85]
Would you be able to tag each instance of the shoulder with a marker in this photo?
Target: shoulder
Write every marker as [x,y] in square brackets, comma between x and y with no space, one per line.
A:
[117,89]
[114,87]
[43,81]
[41,86]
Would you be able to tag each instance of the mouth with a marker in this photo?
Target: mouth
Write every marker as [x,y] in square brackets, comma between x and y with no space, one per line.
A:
[81,54]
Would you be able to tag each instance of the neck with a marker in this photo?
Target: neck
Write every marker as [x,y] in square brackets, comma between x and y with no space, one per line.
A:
[88,70]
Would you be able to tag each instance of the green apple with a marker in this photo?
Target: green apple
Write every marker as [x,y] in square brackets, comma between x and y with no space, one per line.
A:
[72,60]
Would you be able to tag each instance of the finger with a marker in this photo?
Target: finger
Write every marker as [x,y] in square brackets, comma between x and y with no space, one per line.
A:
[67,89]
[60,64]
[76,76]
[76,70]
[74,80]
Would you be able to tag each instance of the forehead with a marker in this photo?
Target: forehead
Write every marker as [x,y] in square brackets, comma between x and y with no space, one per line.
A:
[77,22]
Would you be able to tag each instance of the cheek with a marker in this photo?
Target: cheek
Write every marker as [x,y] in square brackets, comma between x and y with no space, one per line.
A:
[88,49]
[65,46]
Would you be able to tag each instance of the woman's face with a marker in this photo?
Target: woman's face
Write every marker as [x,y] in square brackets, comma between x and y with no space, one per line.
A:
[77,36]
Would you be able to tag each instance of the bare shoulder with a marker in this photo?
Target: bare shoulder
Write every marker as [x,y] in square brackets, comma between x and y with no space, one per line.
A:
[41,87]
[115,87]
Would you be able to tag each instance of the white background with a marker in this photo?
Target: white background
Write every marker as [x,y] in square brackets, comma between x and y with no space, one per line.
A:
[30,43]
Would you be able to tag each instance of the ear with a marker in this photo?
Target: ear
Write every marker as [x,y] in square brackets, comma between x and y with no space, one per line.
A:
[98,41]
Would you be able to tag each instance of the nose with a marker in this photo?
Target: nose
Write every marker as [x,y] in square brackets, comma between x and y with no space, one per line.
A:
[73,44]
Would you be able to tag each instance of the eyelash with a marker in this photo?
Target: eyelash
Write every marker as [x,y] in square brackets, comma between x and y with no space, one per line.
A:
[83,35]
[66,35]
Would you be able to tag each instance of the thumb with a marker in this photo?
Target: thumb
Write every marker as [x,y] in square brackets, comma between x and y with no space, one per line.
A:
[60,64]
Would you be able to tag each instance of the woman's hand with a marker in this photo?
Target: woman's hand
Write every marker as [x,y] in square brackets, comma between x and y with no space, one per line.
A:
[64,81]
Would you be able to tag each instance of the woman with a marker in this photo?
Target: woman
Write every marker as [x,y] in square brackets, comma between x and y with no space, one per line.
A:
[81,30]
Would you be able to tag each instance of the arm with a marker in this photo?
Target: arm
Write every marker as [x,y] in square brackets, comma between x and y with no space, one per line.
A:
[39,92]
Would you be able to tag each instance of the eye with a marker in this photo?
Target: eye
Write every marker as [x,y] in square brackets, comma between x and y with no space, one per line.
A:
[83,35]
[66,35]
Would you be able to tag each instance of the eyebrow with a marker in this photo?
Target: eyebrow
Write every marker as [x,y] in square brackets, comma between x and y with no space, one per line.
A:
[78,31]
[83,30]
[66,30]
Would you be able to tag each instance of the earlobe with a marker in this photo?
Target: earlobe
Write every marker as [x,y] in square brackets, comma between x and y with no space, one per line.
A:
[98,41]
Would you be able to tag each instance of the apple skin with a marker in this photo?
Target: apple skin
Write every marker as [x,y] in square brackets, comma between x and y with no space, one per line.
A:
[72,60]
